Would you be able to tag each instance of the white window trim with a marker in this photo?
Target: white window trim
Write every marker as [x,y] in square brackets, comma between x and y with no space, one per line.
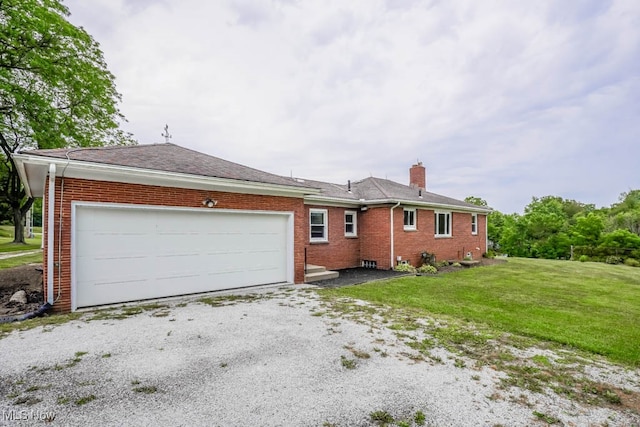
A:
[325,214]
[474,224]
[354,215]
[415,219]
[450,225]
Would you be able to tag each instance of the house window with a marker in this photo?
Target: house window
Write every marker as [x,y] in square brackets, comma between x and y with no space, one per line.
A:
[350,224]
[474,223]
[409,219]
[443,224]
[318,225]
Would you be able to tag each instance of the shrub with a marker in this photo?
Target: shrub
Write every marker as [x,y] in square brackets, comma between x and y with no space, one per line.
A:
[456,264]
[631,262]
[407,268]
[428,258]
[613,259]
[489,254]
[442,263]
[583,258]
[429,269]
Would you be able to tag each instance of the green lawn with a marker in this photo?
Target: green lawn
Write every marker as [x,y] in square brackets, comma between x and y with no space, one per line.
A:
[590,306]
[6,237]
[21,260]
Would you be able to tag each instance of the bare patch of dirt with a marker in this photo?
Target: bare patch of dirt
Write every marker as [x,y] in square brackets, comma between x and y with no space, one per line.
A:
[27,278]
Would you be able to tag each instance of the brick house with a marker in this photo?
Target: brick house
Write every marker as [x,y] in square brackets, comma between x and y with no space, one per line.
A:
[149,221]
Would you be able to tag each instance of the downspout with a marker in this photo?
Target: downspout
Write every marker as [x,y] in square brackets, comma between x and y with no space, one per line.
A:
[486,233]
[51,202]
[392,239]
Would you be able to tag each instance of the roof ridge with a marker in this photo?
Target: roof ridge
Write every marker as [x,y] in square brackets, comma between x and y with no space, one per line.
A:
[378,186]
[116,146]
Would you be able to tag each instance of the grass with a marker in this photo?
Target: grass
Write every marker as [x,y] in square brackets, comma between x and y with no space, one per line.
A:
[593,307]
[47,321]
[84,400]
[6,239]
[7,245]
[145,389]
[348,363]
[20,260]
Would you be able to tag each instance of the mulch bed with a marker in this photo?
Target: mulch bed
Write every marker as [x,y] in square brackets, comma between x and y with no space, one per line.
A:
[356,276]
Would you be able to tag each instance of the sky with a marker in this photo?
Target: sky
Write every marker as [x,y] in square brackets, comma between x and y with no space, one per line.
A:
[503,100]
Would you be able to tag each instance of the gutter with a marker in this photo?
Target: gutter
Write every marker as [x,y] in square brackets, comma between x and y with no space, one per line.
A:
[392,239]
[335,201]
[455,208]
[51,202]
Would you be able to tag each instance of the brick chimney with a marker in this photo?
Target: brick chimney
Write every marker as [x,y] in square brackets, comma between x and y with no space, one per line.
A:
[418,176]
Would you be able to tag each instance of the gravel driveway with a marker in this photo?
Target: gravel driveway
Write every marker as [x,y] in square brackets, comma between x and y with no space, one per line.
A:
[276,357]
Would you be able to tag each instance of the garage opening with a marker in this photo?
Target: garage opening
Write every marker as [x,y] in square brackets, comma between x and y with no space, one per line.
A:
[126,253]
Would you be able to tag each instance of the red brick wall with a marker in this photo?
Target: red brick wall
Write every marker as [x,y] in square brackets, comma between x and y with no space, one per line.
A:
[374,239]
[110,192]
[340,251]
[410,244]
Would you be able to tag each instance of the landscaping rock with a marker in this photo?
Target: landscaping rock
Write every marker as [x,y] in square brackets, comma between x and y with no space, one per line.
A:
[19,297]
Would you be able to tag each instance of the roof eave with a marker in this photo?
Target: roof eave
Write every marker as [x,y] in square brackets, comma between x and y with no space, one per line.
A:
[336,201]
[126,174]
[478,209]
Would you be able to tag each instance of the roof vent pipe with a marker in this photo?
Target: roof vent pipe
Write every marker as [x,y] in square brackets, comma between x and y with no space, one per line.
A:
[349,186]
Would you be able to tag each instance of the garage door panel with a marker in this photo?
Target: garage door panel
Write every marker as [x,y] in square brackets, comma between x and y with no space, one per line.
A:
[102,271]
[127,254]
[114,245]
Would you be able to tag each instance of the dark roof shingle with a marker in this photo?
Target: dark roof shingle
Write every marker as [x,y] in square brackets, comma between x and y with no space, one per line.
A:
[168,158]
[383,190]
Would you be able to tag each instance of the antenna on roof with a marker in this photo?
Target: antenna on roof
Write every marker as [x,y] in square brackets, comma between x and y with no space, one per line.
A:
[167,136]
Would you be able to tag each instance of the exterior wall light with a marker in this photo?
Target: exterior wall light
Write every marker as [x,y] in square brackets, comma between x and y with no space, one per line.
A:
[209,202]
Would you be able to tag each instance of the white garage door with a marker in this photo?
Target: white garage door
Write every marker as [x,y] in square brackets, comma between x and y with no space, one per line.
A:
[132,253]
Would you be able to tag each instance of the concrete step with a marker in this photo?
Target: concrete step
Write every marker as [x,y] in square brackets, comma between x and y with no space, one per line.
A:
[320,275]
[310,268]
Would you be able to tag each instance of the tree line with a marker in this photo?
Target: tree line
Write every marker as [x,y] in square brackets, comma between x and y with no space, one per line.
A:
[556,228]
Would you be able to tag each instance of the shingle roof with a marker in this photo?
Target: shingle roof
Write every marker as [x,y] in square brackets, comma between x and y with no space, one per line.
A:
[334,191]
[383,190]
[377,188]
[169,158]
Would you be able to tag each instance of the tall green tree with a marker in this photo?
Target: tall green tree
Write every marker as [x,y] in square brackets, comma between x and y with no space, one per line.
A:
[55,91]
[626,213]
[587,229]
[513,237]
[476,201]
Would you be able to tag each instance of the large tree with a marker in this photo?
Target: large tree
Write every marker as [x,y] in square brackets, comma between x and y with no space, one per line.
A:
[55,91]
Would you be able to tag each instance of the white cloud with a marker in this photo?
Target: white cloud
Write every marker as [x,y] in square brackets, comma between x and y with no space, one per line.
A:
[502,100]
